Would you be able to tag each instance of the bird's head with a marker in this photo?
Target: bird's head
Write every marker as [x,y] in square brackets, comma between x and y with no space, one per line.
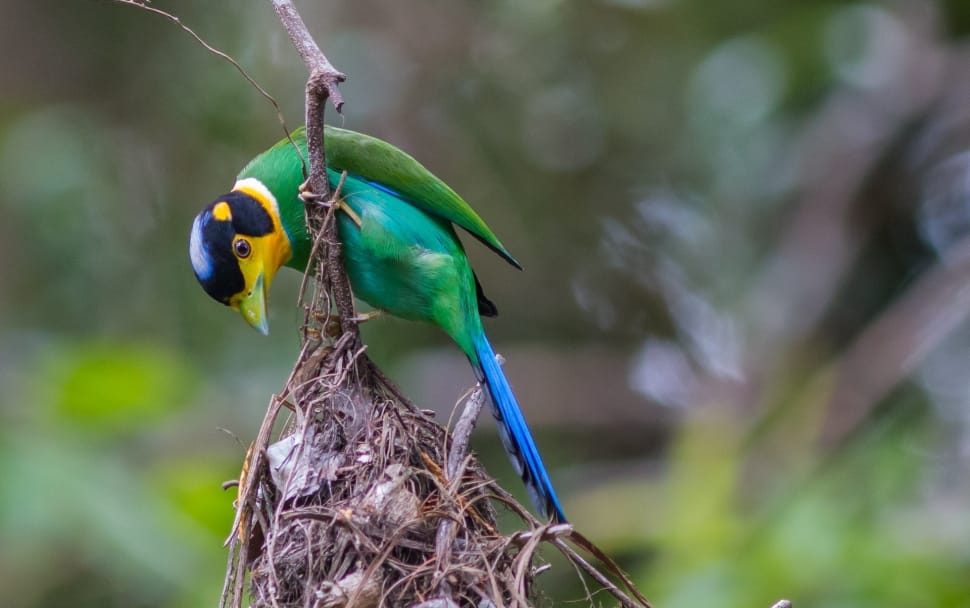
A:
[237,245]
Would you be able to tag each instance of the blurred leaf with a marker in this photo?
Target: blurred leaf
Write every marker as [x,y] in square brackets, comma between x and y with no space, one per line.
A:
[194,488]
[63,501]
[114,387]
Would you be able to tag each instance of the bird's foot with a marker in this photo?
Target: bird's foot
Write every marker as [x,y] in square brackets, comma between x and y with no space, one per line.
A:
[309,196]
[306,195]
[363,317]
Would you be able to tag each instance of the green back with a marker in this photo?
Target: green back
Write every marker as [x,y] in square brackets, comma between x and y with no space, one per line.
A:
[374,161]
[379,162]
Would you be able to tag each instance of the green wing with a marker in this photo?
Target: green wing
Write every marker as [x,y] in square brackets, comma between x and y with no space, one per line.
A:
[387,166]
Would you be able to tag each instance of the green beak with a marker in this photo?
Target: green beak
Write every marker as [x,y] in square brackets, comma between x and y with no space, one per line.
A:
[253,307]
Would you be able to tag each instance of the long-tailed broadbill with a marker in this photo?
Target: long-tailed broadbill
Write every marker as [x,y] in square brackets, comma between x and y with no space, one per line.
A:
[400,250]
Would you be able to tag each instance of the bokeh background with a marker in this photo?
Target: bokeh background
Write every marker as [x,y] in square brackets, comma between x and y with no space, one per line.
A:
[741,333]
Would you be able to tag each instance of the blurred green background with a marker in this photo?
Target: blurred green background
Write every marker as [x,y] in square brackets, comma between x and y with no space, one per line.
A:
[740,336]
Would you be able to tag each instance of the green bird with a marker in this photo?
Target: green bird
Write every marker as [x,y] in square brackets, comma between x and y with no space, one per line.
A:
[400,250]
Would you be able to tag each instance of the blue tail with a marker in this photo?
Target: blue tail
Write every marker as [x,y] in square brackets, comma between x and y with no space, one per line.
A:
[515,433]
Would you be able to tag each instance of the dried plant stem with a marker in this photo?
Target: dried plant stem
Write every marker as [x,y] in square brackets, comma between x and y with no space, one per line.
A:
[457,459]
[143,5]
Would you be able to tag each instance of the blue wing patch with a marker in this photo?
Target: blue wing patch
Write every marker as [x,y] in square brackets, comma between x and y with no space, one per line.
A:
[380,186]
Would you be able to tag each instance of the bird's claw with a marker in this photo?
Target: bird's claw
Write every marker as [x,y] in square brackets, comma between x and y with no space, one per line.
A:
[363,317]
[308,196]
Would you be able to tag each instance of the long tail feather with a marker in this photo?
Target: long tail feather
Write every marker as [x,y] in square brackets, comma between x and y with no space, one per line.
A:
[515,434]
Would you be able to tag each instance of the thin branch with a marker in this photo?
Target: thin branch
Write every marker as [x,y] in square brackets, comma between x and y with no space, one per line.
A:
[322,84]
[612,566]
[588,568]
[252,81]
[318,64]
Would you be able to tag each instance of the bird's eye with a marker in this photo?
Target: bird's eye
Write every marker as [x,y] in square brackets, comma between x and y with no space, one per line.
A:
[242,248]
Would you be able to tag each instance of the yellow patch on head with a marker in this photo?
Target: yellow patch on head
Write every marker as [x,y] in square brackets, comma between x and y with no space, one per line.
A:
[273,248]
[221,212]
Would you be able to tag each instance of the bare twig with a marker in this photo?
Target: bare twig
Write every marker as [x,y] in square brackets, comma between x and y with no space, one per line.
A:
[607,584]
[323,84]
[142,4]
[580,540]
[322,73]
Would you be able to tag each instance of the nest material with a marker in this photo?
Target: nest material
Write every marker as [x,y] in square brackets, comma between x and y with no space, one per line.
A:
[352,501]
[365,501]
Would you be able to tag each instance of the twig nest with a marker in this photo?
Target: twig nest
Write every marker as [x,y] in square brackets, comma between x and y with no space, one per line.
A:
[298,477]
[364,591]
[442,603]
[390,501]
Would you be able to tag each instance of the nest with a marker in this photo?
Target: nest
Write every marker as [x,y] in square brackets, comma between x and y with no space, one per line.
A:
[356,498]
[364,500]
